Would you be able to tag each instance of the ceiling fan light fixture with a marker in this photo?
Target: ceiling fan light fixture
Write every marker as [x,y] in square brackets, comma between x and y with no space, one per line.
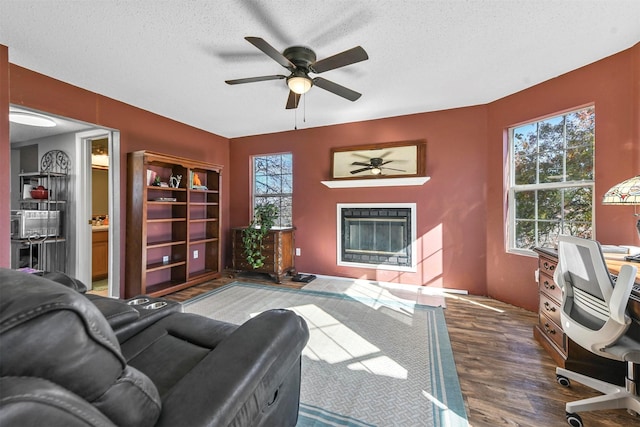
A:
[376,171]
[31,119]
[299,84]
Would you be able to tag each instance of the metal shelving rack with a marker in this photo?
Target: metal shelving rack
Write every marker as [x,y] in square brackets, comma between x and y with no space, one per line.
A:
[43,246]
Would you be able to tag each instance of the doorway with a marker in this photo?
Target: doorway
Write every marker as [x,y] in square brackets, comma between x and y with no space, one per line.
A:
[72,137]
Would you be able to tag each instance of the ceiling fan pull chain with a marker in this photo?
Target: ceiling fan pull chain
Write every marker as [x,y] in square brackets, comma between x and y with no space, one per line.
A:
[295,119]
[304,108]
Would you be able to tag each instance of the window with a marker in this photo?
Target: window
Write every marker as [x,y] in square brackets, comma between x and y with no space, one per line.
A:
[551,181]
[273,183]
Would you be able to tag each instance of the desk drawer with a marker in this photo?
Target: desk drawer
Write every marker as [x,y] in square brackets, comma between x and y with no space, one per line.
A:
[549,287]
[548,265]
[550,307]
[552,331]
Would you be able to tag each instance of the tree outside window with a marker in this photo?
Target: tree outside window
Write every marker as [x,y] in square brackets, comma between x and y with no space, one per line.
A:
[273,183]
[552,187]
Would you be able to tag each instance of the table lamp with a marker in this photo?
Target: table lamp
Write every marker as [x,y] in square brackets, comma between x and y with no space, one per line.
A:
[625,193]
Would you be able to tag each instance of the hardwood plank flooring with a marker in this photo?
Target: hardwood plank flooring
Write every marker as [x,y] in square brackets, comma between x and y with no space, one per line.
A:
[506,378]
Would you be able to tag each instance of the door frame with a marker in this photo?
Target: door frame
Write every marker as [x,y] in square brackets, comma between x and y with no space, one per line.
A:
[83,241]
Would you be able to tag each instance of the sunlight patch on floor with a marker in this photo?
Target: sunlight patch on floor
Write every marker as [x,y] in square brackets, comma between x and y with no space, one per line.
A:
[479,304]
[333,342]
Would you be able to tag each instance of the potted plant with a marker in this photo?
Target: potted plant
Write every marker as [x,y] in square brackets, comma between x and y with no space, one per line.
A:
[263,219]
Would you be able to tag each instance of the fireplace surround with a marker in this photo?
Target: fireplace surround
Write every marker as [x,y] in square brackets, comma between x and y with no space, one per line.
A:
[380,236]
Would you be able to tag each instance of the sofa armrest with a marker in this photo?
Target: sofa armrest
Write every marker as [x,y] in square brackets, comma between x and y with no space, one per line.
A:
[29,401]
[237,382]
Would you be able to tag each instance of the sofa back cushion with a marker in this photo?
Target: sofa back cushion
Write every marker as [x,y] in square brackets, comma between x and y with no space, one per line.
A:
[52,332]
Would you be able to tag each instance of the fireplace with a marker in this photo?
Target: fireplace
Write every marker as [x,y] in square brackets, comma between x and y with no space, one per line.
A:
[377,236]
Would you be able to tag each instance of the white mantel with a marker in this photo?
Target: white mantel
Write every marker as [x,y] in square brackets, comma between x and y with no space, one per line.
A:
[378,182]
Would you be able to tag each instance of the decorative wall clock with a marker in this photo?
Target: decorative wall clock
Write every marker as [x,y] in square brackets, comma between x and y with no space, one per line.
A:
[385,160]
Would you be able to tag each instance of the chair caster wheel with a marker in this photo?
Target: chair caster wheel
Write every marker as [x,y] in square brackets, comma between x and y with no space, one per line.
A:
[563,381]
[574,420]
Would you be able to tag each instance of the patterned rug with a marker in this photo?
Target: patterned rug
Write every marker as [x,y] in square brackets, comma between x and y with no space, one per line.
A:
[369,362]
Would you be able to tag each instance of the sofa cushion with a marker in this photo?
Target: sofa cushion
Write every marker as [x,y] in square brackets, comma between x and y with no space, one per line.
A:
[83,354]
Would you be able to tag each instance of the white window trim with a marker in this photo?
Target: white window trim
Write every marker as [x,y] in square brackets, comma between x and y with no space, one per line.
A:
[510,240]
[252,184]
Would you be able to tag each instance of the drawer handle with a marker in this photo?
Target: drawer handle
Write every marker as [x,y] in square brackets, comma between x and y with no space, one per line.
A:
[548,266]
[549,286]
[548,329]
[549,307]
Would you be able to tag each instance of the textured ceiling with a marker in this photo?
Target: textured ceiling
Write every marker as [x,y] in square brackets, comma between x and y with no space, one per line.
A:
[172,57]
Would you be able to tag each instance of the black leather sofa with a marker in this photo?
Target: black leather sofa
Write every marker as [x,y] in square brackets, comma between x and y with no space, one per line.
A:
[62,364]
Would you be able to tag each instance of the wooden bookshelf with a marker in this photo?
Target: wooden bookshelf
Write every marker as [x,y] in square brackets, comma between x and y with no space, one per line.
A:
[173,233]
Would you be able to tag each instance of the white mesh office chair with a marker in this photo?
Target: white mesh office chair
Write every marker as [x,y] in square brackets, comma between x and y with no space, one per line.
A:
[594,315]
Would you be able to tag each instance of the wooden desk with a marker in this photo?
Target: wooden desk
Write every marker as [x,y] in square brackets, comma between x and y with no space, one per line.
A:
[548,332]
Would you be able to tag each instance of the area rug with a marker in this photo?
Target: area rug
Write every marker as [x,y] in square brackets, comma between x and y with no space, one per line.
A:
[369,362]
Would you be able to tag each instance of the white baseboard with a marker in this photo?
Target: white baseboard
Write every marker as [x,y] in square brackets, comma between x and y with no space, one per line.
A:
[392,285]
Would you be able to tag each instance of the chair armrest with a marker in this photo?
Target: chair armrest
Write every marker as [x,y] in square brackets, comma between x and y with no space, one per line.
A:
[241,376]
[621,293]
[30,401]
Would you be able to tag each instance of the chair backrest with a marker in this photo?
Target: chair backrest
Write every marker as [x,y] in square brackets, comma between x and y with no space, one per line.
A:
[52,333]
[593,312]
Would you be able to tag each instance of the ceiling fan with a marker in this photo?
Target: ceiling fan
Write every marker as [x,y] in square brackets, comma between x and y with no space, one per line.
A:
[375,165]
[301,61]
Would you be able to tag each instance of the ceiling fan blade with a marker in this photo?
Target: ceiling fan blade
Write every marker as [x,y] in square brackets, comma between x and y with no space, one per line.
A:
[392,169]
[293,100]
[360,164]
[341,59]
[271,52]
[332,87]
[360,170]
[254,79]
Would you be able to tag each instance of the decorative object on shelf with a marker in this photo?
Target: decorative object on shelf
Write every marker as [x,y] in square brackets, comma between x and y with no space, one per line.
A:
[385,160]
[196,184]
[263,219]
[55,161]
[151,177]
[174,181]
[39,193]
[625,193]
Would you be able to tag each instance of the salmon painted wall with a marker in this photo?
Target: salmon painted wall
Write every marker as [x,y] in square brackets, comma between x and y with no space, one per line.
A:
[450,207]
[139,129]
[612,85]
[5,160]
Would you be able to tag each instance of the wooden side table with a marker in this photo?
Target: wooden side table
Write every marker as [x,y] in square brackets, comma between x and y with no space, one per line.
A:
[279,250]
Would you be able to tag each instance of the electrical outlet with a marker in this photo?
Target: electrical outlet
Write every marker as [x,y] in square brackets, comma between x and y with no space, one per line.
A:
[195,254]
[165,259]
[297,251]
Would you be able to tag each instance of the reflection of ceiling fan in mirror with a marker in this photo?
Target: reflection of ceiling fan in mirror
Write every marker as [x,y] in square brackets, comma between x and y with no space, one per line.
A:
[375,165]
[301,61]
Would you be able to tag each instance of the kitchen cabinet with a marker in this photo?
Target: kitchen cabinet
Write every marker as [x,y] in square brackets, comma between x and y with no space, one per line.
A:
[100,253]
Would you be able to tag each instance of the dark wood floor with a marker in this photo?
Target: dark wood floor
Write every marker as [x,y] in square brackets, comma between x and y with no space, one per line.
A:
[507,379]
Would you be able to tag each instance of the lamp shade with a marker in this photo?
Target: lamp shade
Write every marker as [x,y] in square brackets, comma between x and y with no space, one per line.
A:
[299,84]
[625,193]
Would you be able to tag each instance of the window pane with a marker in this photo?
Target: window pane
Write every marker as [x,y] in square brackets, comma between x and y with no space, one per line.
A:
[525,234]
[580,163]
[526,205]
[526,169]
[577,204]
[549,204]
